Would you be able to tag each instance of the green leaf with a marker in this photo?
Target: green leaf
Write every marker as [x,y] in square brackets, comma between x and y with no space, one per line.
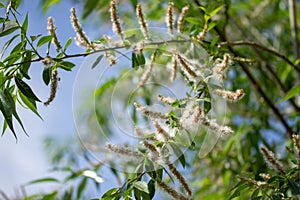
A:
[134,63]
[141,59]
[44,40]
[47,75]
[48,3]
[89,7]
[34,37]
[293,92]
[111,194]
[14,111]
[27,62]
[4,127]
[151,187]
[51,196]
[44,180]
[66,65]
[216,10]
[15,4]
[6,45]
[25,24]
[194,20]
[30,103]
[69,41]
[142,186]
[9,28]
[97,61]
[25,89]
[7,111]
[1,5]
[81,187]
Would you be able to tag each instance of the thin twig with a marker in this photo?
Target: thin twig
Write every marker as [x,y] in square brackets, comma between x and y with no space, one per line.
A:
[254,44]
[102,50]
[268,67]
[256,84]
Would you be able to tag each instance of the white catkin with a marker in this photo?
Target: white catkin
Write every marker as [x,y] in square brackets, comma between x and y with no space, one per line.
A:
[170,18]
[146,111]
[142,21]
[181,18]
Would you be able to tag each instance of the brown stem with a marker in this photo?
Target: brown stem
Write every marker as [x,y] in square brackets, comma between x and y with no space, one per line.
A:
[256,84]
[254,44]
[268,67]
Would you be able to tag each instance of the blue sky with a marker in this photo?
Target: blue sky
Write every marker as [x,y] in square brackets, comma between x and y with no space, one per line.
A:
[27,160]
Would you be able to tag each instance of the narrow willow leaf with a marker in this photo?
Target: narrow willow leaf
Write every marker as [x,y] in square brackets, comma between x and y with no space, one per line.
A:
[47,75]
[141,59]
[142,186]
[15,4]
[134,63]
[30,103]
[69,41]
[25,89]
[81,187]
[34,37]
[44,40]
[14,111]
[66,65]
[293,92]
[6,45]
[44,180]
[97,61]
[25,24]
[4,127]
[7,112]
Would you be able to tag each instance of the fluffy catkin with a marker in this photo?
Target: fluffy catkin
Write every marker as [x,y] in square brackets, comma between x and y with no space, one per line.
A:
[54,84]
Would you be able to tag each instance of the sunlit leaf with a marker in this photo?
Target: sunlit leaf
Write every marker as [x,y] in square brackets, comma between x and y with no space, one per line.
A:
[293,92]
[68,66]
[30,103]
[25,89]
[44,40]
[25,24]
[142,186]
[69,41]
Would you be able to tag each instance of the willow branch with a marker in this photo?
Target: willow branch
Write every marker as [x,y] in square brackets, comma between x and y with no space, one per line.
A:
[268,67]
[256,84]
[254,44]
[103,50]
